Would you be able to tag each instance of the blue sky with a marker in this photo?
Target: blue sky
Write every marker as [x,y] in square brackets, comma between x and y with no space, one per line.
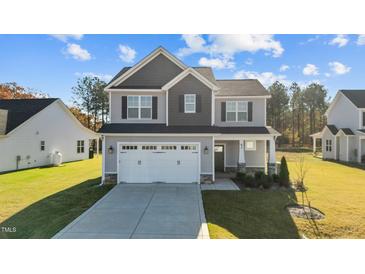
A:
[52,64]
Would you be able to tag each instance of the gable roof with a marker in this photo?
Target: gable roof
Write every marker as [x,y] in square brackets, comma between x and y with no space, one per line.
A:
[123,75]
[333,129]
[20,110]
[346,131]
[119,74]
[190,71]
[356,96]
[242,87]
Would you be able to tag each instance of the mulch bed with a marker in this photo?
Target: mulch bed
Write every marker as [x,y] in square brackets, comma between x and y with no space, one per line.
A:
[305,212]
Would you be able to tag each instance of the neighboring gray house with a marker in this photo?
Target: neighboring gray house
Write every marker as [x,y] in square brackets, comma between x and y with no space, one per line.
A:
[178,124]
[343,138]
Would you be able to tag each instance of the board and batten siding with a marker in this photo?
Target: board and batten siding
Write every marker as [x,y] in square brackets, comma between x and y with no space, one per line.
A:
[116,107]
[190,85]
[111,159]
[52,125]
[155,74]
[258,112]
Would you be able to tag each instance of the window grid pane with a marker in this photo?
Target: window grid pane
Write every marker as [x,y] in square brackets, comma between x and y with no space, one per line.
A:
[146,101]
[231,116]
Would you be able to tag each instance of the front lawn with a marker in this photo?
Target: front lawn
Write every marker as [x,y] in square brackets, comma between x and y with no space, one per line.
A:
[39,202]
[336,189]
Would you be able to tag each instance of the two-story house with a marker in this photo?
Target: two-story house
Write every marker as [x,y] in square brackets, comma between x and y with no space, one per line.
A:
[178,124]
[343,138]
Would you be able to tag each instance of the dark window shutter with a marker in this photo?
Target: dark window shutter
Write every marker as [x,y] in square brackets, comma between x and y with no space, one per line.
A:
[181,103]
[223,111]
[249,106]
[124,107]
[154,107]
[198,103]
[363,118]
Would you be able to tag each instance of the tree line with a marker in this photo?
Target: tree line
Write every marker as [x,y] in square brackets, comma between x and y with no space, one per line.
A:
[296,112]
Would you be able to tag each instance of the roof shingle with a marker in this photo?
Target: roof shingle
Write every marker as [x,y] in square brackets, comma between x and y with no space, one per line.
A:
[356,96]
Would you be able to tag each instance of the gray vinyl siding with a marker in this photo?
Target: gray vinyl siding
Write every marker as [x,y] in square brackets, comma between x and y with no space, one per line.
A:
[111,159]
[254,158]
[344,114]
[258,113]
[155,74]
[116,107]
[190,85]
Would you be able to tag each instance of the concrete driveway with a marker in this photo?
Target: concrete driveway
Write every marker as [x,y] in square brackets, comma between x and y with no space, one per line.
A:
[143,211]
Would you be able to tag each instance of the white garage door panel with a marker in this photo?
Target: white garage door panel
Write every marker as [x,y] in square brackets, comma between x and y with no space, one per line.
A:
[170,163]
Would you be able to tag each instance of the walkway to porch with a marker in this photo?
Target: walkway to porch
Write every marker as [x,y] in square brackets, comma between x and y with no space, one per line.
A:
[222,182]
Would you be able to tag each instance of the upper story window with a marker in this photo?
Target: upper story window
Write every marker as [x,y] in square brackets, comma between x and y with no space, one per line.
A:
[139,107]
[236,111]
[189,103]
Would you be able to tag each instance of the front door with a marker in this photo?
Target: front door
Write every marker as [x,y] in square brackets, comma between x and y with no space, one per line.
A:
[219,157]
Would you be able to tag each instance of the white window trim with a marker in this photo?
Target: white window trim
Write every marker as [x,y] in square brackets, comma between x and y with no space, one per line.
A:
[254,145]
[80,146]
[328,145]
[236,104]
[139,107]
[189,111]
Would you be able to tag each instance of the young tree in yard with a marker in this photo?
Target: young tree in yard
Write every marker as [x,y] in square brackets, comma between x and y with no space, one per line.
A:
[301,170]
[284,173]
[294,107]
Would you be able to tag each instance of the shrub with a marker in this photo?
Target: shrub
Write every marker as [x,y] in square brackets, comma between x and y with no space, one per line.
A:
[260,178]
[284,173]
[250,181]
[275,178]
[268,182]
[241,176]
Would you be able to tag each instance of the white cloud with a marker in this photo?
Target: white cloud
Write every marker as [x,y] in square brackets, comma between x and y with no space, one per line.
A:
[340,40]
[126,53]
[228,45]
[310,69]
[77,52]
[103,77]
[284,67]
[327,74]
[266,78]
[310,40]
[339,68]
[217,63]
[361,40]
[65,37]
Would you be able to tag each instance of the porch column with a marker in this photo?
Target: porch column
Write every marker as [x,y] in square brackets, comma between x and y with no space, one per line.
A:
[359,152]
[103,159]
[241,166]
[314,145]
[272,157]
[97,147]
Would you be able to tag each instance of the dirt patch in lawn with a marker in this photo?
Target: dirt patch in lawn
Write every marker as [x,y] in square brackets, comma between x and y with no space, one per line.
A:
[305,212]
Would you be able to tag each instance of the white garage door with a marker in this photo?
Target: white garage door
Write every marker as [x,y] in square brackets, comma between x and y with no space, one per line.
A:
[152,162]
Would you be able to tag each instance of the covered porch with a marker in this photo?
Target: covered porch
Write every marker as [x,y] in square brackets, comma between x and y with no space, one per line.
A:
[243,153]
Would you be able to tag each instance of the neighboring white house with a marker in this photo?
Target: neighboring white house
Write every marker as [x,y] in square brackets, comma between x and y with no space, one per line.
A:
[343,138]
[32,130]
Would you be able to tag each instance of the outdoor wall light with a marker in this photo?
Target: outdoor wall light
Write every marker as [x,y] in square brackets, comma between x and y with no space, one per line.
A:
[110,150]
[206,150]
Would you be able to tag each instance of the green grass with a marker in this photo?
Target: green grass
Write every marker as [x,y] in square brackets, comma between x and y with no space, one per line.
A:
[39,202]
[338,190]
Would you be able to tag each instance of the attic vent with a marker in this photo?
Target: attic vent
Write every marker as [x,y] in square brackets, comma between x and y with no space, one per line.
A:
[3,121]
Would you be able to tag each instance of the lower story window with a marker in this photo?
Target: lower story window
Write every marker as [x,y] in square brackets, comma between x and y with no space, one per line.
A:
[329,145]
[80,146]
[43,145]
[250,145]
